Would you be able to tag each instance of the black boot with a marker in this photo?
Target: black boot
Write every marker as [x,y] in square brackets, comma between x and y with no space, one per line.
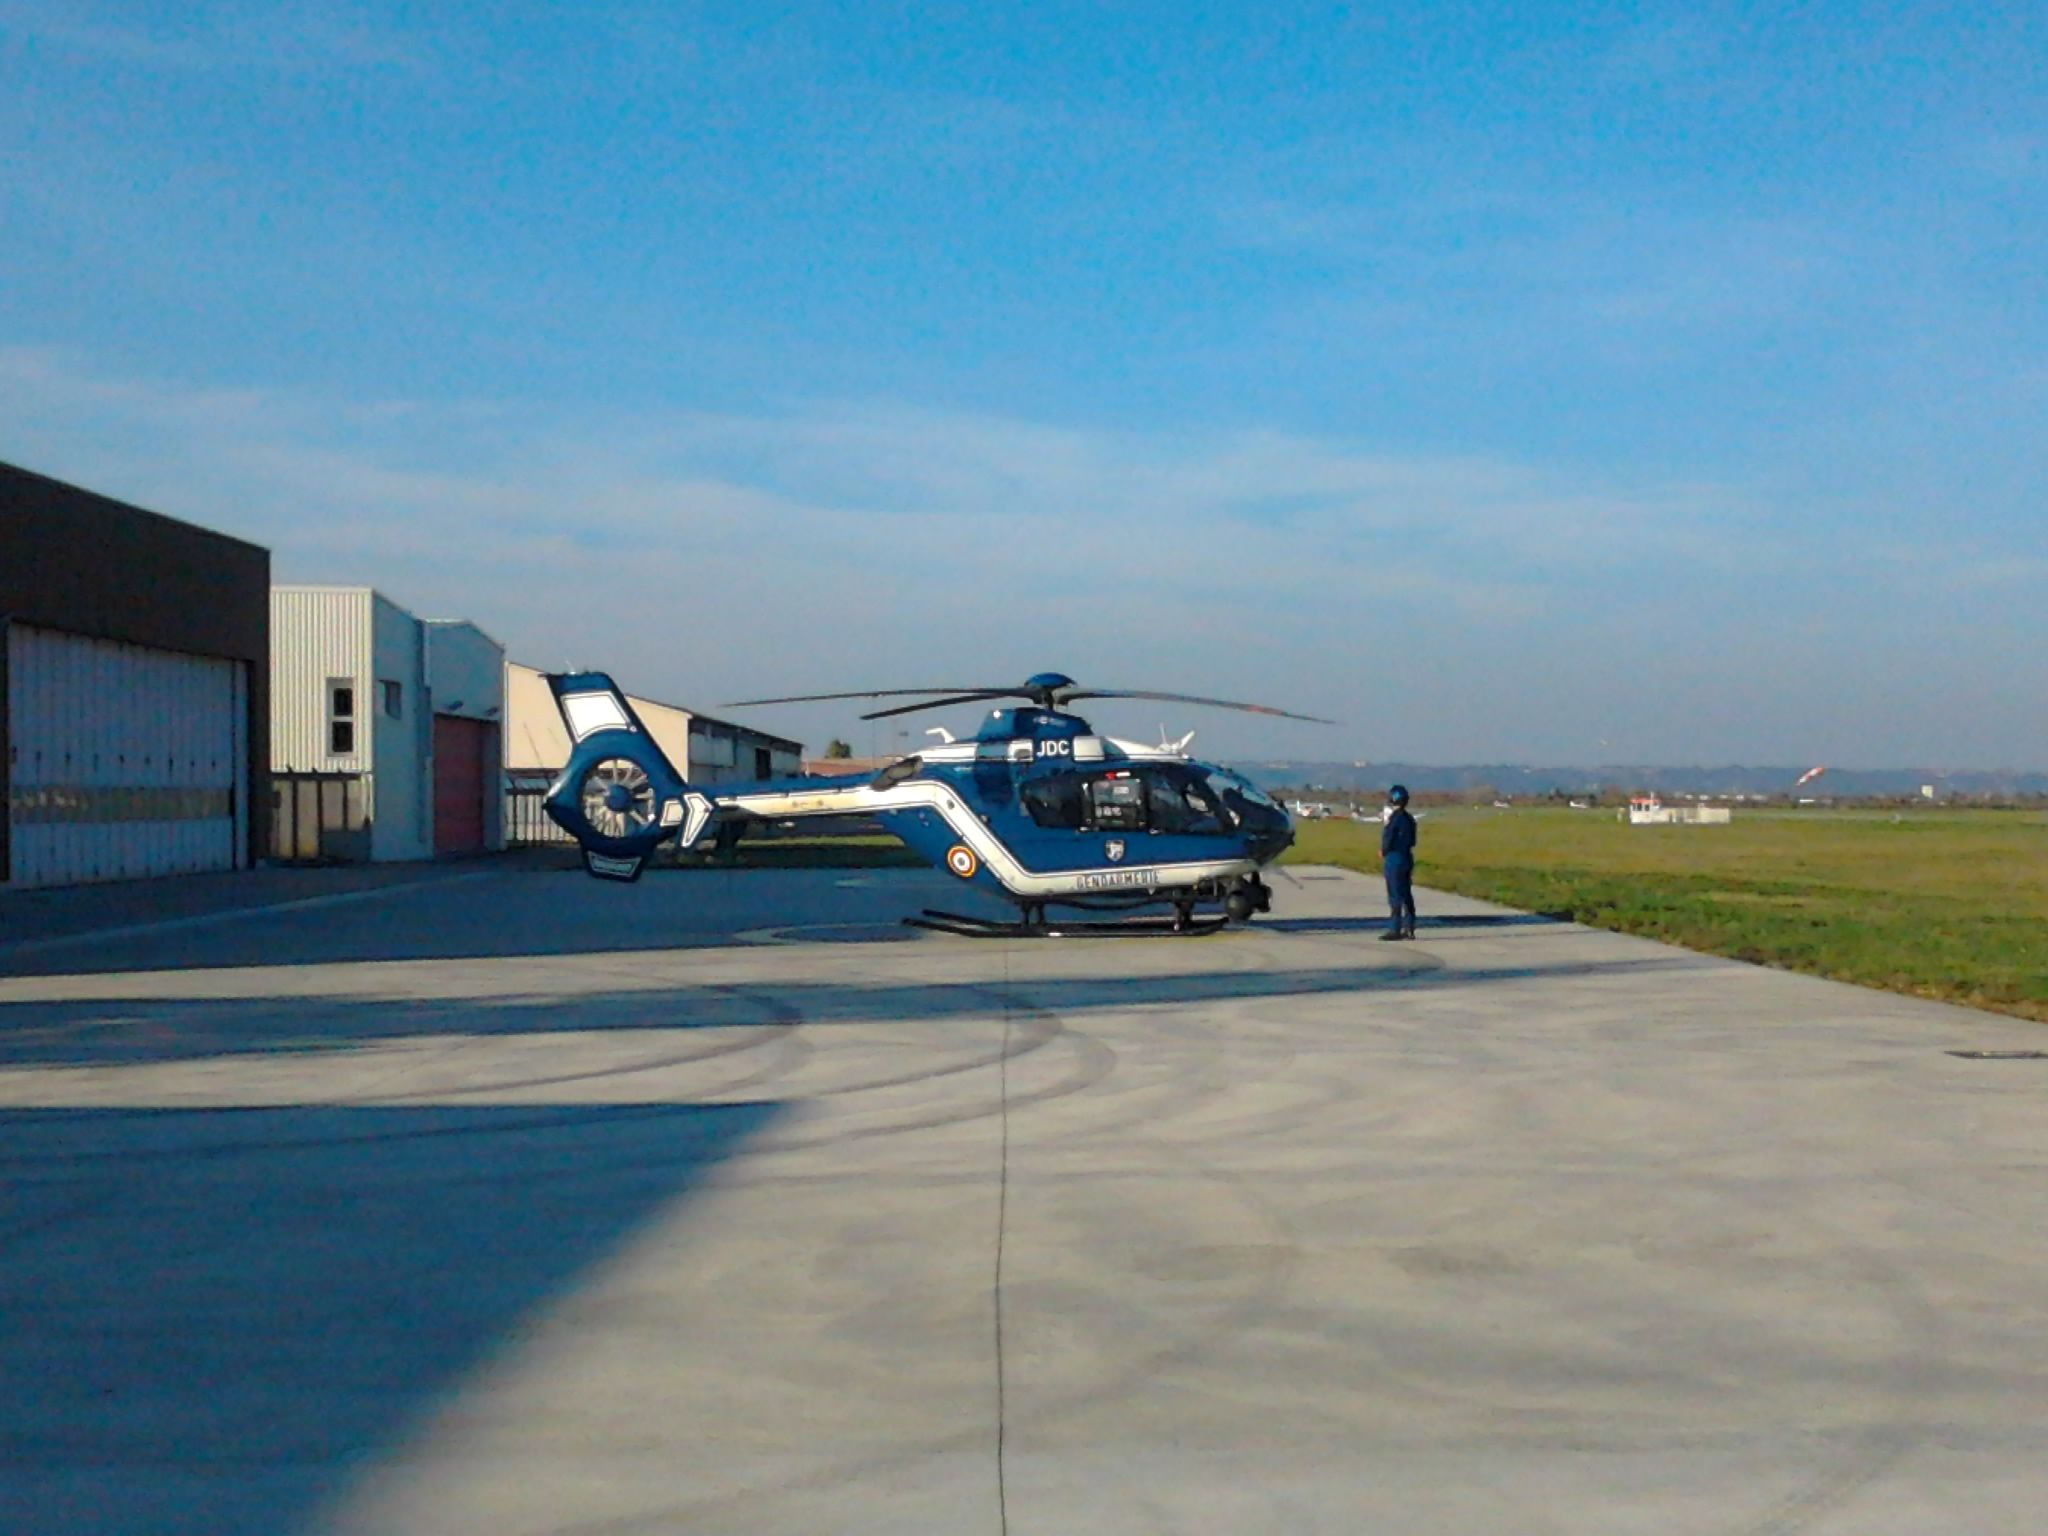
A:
[1392,933]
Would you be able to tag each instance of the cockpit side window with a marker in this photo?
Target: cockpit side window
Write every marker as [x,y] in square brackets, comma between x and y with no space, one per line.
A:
[1055,801]
[1210,817]
[1169,806]
[1182,804]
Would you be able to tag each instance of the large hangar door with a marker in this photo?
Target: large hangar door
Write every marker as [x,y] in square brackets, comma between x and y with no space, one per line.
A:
[461,756]
[123,760]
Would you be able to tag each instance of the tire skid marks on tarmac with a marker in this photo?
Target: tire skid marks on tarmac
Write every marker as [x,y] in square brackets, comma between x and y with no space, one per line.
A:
[1908,1382]
[1105,1370]
[1853,1456]
[777,1035]
[777,1039]
[1033,1030]
[1226,1073]
[1112,1368]
[837,1115]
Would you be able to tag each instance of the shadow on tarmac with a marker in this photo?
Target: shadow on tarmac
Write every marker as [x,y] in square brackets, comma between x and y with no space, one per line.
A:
[491,913]
[128,1030]
[1423,924]
[511,913]
[209,1320]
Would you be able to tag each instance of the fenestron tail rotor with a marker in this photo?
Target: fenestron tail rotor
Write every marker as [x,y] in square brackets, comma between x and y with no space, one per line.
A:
[1048,690]
[618,797]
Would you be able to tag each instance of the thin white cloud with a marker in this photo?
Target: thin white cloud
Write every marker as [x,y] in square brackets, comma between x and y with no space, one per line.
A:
[709,556]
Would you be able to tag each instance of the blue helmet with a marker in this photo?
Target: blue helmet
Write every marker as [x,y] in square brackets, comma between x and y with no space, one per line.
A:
[1398,795]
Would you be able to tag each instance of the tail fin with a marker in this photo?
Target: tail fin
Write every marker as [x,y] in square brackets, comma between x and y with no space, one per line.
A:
[618,795]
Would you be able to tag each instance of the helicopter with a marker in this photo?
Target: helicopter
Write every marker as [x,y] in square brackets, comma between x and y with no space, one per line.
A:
[1035,807]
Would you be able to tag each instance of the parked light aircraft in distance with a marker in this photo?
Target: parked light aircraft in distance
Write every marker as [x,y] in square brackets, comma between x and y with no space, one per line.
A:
[1036,807]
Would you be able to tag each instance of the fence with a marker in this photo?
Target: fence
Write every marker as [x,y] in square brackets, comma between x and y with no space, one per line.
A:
[526,824]
[320,818]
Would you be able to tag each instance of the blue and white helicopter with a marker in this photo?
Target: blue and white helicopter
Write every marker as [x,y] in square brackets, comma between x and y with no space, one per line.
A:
[1036,807]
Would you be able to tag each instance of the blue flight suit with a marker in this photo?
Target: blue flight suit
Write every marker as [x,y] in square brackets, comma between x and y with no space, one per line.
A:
[1397,858]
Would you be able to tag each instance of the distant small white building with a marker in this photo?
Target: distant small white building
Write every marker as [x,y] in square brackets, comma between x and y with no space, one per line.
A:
[355,727]
[1649,811]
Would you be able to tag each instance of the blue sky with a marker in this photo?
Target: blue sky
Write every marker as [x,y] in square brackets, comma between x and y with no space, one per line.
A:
[1558,383]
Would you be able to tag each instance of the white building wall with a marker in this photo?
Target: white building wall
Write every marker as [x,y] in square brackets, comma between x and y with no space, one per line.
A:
[317,633]
[322,634]
[402,744]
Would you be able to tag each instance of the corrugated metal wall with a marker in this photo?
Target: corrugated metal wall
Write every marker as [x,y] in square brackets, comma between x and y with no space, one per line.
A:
[317,633]
[127,760]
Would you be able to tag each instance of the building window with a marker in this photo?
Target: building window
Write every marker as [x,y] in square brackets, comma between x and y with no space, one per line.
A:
[341,716]
[394,697]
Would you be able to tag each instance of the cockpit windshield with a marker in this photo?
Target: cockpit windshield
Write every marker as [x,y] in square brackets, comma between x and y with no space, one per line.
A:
[1235,785]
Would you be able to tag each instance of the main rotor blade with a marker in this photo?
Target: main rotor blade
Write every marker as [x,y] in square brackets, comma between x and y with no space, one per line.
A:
[980,697]
[1189,698]
[867,693]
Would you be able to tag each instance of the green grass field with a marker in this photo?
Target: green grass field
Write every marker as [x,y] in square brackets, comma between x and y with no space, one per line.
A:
[1950,904]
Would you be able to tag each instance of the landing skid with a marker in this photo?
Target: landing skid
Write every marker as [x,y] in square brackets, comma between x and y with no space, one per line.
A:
[1044,928]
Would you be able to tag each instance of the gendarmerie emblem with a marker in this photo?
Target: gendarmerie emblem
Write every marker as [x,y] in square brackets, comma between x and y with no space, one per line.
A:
[1115,849]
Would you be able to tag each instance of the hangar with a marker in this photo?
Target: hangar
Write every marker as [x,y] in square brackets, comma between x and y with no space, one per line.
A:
[386,729]
[134,689]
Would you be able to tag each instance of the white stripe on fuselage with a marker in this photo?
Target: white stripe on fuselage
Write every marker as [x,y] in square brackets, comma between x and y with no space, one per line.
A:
[1085,749]
[930,794]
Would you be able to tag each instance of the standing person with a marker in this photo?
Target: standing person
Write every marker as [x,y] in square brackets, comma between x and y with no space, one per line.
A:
[1397,858]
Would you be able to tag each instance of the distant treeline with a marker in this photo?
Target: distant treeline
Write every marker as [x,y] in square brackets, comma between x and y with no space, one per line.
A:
[1519,782]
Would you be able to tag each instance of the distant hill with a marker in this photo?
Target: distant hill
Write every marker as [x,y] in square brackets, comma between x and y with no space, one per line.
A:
[1522,779]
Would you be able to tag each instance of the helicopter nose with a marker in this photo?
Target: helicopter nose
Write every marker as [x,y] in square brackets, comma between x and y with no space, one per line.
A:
[1269,832]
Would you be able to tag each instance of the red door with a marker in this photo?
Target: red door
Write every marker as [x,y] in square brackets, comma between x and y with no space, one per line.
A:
[460,758]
